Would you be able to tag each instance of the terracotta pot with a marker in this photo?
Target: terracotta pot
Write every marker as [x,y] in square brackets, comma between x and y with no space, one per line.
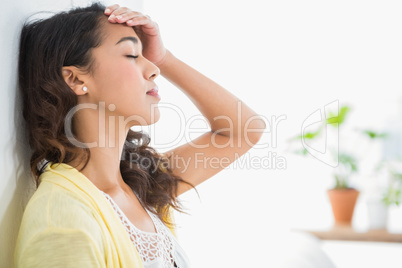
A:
[343,203]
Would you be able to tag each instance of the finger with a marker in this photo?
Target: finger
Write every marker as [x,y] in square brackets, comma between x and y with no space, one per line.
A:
[127,16]
[139,20]
[111,8]
[117,13]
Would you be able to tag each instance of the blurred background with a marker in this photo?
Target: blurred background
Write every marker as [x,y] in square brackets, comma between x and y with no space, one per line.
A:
[286,60]
[297,64]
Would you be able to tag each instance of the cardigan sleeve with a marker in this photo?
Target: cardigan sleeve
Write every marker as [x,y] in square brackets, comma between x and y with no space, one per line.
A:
[58,247]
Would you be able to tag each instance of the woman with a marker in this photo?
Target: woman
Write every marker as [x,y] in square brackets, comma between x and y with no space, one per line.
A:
[104,197]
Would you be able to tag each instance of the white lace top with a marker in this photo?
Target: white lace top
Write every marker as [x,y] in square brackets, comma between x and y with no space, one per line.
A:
[157,250]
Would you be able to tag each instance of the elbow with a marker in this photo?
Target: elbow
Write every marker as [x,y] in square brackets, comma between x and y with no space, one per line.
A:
[255,130]
[254,139]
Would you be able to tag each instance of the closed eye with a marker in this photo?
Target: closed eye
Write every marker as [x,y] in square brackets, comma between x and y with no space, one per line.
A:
[132,56]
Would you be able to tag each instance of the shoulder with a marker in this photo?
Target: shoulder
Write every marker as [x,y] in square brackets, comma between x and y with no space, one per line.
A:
[55,210]
[58,207]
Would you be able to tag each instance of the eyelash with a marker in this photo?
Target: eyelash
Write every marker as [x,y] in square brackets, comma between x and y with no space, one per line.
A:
[131,56]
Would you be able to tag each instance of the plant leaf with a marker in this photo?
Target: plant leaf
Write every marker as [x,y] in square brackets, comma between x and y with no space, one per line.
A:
[310,135]
[337,119]
[348,161]
[301,152]
[375,135]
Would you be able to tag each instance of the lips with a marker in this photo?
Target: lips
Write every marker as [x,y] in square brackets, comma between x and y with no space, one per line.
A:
[153,91]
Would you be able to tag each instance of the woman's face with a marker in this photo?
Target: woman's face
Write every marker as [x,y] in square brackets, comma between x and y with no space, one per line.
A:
[121,81]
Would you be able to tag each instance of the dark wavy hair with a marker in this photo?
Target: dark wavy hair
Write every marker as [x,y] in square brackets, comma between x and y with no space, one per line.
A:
[66,39]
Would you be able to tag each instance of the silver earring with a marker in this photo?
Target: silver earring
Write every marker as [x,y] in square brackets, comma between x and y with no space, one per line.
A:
[85,89]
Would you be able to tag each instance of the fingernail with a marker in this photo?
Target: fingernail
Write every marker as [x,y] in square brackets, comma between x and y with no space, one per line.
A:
[111,16]
[107,10]
[129,21]
[119,17]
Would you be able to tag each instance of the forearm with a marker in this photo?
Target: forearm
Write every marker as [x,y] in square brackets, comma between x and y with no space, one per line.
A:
[226,114]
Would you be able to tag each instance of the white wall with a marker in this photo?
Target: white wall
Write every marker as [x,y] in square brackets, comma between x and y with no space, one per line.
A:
[16,185]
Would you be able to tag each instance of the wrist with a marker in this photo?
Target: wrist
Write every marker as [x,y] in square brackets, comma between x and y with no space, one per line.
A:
[165,62]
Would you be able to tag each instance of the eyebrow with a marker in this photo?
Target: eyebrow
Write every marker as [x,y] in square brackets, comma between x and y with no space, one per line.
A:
[128,38]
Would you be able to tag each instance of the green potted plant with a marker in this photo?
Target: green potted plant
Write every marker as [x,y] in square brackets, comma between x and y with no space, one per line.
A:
[342,196]
[377,201]
[393,198]
[387,194]
[393,194]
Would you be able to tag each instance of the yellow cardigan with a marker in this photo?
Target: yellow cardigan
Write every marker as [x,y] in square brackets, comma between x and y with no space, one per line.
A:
[69,223]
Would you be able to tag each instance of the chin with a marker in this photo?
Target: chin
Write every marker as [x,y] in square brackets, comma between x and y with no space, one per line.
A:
[155,118]
[138,120]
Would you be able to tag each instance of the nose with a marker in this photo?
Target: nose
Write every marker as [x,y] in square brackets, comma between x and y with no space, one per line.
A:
[151,71]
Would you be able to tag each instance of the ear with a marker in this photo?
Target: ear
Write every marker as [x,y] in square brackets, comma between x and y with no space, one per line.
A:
[74,79]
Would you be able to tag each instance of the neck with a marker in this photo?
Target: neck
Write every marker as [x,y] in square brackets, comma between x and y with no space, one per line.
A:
[105,141]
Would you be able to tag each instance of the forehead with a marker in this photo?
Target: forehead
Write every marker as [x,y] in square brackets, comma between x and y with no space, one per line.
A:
[113,32]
